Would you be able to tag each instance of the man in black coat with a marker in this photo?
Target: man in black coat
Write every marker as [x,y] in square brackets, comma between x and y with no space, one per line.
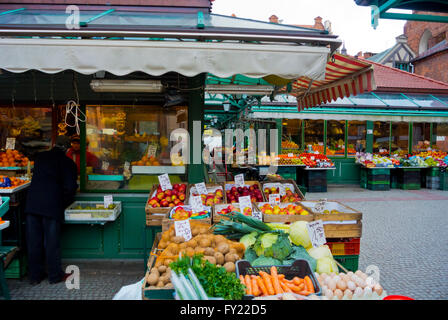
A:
[52,189]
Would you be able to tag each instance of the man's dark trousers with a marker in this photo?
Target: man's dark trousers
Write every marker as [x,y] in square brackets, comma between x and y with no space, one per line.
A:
[44,245]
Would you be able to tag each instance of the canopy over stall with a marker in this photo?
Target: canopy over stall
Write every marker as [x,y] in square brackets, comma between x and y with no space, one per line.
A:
[157,43]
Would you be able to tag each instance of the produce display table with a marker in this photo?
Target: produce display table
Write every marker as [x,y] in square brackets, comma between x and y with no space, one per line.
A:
[314,179]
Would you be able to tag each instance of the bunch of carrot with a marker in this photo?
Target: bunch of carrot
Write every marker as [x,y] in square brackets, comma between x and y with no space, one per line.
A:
[266,284]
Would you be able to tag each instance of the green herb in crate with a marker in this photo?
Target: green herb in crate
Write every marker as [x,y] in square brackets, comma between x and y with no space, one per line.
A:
[216,281]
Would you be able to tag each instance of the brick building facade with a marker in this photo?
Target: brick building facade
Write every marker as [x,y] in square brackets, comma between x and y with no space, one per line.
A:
[429,40]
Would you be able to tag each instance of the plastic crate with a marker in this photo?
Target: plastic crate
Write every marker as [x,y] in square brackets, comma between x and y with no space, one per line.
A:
[349,262]
[433,186]
[432,172]
[378,177]
[378,187]
[316,182]
[387,181]
[378,171]
[443,180]
[73,214]
[317,174]
[317,189]
[299,268]
[339,247]
[409,186]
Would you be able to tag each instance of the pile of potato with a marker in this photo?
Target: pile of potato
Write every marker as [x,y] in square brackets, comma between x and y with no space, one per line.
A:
[216,249]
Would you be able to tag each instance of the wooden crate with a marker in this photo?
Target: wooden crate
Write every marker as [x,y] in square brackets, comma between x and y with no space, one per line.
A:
[283,218]
[167,222]
[332,221]
[289,181]
[207,185]
[218,207]
[155,216]
[151,293]
[248,183]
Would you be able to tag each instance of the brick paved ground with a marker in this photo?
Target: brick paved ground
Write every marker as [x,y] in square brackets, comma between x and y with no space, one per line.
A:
[404,234]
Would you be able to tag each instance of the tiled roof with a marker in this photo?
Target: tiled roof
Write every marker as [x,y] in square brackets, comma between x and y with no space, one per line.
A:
[441,46]
[388,78]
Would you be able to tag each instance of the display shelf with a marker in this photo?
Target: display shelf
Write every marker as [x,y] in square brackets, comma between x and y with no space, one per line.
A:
[9,191]
[158,169]
[83,216]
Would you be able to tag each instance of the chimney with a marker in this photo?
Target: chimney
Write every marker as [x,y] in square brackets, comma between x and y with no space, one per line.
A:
[318,23]
[367,55]
[273,19]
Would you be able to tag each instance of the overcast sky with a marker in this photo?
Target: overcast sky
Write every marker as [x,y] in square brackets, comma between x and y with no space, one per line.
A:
[349,21]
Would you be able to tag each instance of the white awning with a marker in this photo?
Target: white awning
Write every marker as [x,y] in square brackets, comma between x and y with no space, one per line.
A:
[344,116]
[189,58]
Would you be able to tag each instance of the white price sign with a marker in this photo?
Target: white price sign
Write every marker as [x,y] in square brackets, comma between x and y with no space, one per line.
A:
[196,204]
[320,205]
[105,165]
[239,180]
[290,155]
[274,199]
[316,233]
[10,143]
[165,182]
[108,200]
[152,150]
[127,165]
[201,188]
[183,229]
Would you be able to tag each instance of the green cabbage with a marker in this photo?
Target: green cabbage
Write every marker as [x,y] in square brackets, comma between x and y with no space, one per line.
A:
[275,245]
[298,233]
[320,252]
[250,255]
[249,239]
[326,265]
[266,261]
[299,252]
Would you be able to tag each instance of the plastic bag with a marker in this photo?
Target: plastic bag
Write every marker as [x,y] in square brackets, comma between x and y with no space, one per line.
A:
[130,292]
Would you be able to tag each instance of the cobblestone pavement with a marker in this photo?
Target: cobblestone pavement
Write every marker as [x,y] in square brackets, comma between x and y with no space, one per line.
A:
[404,234]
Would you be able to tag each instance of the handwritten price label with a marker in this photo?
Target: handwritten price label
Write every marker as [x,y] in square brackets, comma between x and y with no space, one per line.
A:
[165,182]
[108,200]
[183,229]
[105,165]
[316,233]
[196,204]
[320,205]
[10,143]
[152,150]
[274,199]
[201,188]
[127,165]
[239,180]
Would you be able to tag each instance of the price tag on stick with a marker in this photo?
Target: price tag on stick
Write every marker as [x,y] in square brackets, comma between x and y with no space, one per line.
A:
[183,229]
[274,199]
[152,150]
[196,204]
[239,180]
[316,233]
[10,143]
[201,188]
[108,200]
[165,182]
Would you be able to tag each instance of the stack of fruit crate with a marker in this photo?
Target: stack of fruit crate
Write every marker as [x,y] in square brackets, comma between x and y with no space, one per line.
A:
[346,252]
[409,179]
[432,179]
[316,180]
[443,182]
[375,178]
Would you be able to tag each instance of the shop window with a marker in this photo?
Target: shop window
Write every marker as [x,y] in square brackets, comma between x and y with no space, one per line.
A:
[356,137]
[336,138]
[31,127]
[129,146]
[400,138]
[314,135]
[440,136]
[421,136]
[291,135]
[381,137]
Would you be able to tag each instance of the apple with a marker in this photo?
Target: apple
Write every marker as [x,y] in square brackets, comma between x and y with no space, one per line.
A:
[173,197]
[181,197]
[168,192]
[164,203]
[219,193]
[167,199]
[176,202]
[176,186]
[171,205]
[160,195]
[273,190]
[175,192]
[234,189]
[181,204]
